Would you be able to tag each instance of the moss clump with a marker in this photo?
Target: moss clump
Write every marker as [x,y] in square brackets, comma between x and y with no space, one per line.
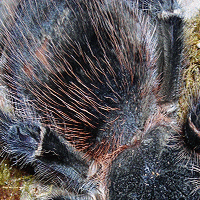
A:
[16,184]
[191,75]
[12,181]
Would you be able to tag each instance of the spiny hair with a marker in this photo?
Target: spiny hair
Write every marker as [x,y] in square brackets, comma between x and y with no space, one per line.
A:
[91,84]
[90,79]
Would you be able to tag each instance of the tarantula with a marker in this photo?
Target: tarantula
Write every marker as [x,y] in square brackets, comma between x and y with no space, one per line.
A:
[93,87]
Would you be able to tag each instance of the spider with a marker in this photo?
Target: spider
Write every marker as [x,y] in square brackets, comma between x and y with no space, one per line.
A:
[93,87]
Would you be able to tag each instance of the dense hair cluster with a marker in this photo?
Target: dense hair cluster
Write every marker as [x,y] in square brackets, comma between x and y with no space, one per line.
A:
[90,98]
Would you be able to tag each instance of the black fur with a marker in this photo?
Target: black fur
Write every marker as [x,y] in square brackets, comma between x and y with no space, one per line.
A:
[89,83]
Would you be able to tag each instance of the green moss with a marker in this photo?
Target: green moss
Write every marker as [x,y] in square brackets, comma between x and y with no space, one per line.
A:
[13,181]
[191,75]
[4,173]
[16,184]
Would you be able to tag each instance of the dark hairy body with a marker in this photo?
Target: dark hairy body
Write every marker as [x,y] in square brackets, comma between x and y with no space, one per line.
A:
[93,87]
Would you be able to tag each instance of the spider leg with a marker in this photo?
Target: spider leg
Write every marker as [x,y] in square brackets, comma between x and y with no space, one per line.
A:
[54,161]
